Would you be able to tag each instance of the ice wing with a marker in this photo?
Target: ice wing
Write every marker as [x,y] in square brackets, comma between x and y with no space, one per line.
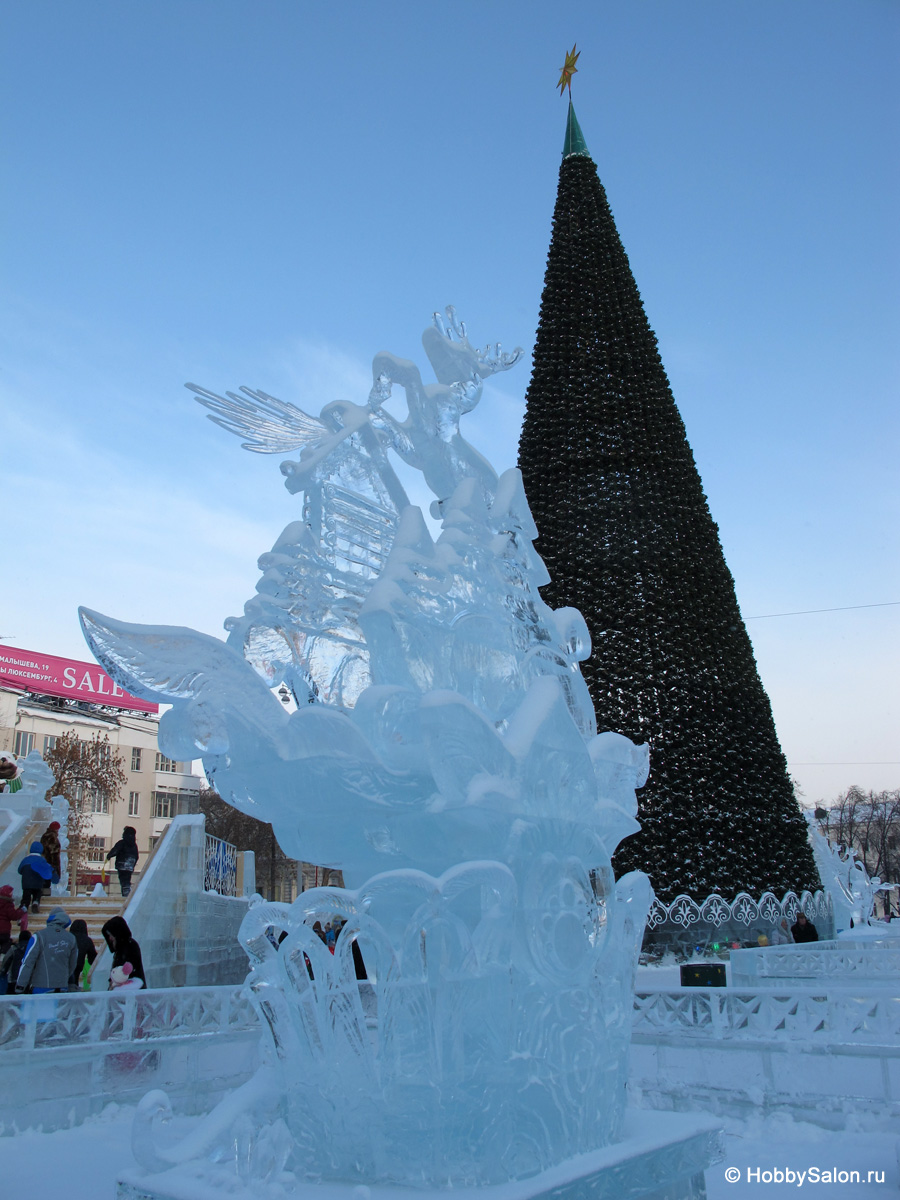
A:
[168,663]
[271,426]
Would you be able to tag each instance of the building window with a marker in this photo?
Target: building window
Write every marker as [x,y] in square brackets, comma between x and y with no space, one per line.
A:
[24,743]
[49,743]
[135,758]
[165,764]
[99,802]
[153,842]
[134,804]
[96,849]
[164,804]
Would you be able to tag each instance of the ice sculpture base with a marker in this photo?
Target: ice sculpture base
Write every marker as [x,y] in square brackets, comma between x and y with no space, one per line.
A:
[666,1163]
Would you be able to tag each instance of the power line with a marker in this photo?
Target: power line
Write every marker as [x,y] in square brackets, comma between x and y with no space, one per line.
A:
[887,763]
[805,611]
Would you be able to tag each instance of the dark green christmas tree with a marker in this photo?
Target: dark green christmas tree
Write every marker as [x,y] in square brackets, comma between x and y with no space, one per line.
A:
[626,533]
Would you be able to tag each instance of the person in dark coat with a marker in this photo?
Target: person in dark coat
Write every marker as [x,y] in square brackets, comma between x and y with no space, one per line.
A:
[126,854]
[8,914]
[358,965]
[124,948]
[36,874]
[803,930]
[12,961]
[52,848]
[86,949]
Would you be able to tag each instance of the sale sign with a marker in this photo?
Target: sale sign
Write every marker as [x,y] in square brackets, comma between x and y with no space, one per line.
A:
[54,676]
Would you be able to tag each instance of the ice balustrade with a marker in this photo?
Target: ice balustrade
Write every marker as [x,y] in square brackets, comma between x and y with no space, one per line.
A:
[68,1056]
[111,1019]
[825,1015]
[832,961]
[65,1056]
[97,1018]
[443,754]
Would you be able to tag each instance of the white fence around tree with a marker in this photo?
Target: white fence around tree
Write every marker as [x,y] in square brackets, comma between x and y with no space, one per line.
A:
[685,924]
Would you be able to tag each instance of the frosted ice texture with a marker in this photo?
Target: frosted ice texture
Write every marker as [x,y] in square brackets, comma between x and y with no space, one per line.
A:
[443,747]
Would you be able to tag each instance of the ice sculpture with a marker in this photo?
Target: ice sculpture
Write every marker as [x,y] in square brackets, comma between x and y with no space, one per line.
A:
[853,890]
[29,804]
[443,753]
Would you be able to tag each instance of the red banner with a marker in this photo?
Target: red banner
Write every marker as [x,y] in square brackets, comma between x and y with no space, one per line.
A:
[53,676]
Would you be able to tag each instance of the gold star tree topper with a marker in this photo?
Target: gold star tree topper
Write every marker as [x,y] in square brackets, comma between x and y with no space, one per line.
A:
[568,70]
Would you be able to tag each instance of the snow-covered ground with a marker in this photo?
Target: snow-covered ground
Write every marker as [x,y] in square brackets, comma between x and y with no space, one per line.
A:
[82,1163]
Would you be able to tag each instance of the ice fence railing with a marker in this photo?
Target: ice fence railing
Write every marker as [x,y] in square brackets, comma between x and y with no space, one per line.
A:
[442,741]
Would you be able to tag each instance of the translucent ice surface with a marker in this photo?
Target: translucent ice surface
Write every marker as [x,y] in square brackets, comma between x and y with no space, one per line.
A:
[443,753]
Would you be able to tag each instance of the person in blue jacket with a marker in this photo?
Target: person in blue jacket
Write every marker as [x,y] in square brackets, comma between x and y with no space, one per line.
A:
[36,874]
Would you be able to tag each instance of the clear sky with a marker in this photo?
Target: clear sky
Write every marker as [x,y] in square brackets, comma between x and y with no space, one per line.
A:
[269,192]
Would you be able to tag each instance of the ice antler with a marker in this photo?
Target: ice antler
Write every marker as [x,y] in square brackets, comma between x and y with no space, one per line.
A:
[455,359]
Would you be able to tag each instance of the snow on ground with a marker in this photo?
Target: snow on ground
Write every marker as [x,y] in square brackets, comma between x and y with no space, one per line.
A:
[82,1163]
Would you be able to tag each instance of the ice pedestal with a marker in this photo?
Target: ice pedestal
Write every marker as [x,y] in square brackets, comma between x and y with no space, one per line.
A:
[661,1156]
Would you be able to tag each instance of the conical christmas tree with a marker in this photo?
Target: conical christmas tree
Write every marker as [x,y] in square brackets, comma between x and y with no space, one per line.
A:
[626,533]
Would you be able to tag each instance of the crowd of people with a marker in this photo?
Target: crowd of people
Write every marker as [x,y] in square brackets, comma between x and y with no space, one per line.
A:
[59,957]
[328,934]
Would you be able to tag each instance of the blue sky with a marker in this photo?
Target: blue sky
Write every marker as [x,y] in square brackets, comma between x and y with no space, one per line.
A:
[269,193]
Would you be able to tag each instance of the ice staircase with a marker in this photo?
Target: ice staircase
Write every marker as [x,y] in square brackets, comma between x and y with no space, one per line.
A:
[95,913]
[20,833]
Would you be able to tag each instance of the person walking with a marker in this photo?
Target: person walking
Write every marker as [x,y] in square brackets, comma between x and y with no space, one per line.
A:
[87,951]
[36,874]
[124,948]
[11,962]
[50,958]
[126,854]
[52,848]
[8,914]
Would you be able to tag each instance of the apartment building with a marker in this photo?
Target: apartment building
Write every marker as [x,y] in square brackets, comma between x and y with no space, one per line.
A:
[43,696]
